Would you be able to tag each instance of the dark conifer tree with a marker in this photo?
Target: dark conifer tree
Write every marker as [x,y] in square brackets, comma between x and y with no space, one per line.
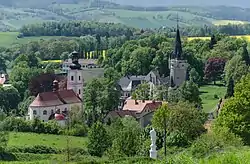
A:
[245,55]
[230,88]
[213,41]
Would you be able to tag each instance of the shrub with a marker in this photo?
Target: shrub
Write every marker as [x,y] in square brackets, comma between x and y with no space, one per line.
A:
[15,124]
[36,149]
[177,138]
[36,126]
[216,141]
[79,130]
[5,156]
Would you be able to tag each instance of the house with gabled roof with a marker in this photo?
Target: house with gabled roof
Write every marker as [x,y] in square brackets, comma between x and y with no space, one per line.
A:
[141,110]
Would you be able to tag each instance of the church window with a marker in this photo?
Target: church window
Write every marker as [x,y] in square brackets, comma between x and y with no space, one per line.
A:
[34,112]
[45,112]
[72,78]
[79,77]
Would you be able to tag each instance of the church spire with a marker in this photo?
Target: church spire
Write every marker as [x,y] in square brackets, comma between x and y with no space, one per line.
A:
[178,47]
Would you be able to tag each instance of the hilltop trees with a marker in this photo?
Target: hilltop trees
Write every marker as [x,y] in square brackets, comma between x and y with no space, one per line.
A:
[74,28]
[235,112]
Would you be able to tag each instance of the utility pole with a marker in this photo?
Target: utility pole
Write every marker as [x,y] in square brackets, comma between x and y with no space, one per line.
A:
[68,138]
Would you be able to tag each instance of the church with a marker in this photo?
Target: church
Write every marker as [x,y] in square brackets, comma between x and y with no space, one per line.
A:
[56,104]
[143,110]
[178,67]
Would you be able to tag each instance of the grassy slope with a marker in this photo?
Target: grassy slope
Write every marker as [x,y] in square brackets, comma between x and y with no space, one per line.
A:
[58,141]
[207,95]
[9,38]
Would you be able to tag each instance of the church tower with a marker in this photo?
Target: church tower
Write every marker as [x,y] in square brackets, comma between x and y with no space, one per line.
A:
[75,75]
[177,64]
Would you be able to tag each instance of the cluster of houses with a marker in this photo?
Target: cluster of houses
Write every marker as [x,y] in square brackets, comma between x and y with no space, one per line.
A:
[56,104]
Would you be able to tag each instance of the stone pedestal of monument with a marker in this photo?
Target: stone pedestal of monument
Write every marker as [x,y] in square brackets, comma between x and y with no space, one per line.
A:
[152,151]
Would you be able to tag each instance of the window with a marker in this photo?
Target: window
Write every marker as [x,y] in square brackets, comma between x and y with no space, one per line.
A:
[45,112]
[79,91]
[65,109]
[34,112]
[72,78]
[79,78]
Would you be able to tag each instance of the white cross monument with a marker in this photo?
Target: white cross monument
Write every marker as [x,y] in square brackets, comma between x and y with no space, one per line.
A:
[152,151]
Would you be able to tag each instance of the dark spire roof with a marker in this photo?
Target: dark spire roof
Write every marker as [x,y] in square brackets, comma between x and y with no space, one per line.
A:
[75,64]
[178,47]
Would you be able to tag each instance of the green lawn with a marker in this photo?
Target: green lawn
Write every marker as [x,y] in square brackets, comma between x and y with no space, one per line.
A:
[58,141]
[9,38]
[208,93]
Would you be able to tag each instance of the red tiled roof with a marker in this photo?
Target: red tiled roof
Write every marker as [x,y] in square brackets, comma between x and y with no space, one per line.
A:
[122,113]
[68,96]
[46,99]
[141,105]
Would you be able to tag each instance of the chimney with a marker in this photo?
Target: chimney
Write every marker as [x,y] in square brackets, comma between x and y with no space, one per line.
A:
[143,101]
[153,101]
[136,102]
[55,86]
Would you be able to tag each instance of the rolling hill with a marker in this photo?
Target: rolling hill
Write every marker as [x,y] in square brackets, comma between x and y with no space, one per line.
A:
[14,14]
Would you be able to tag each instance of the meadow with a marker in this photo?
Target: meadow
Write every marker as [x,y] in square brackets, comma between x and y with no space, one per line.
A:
[7,39]
[57,141]
[226,22]
[210,95]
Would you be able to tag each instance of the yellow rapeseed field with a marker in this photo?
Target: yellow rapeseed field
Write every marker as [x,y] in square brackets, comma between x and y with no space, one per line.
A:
[246,37]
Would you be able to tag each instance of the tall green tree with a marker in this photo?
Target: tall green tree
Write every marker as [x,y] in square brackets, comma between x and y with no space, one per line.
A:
[189,91]
[161,121]
[92,99]
[126,138]
[142,92]
[194,76]
[181,119]
[235,112]
[98,140]
[235,68]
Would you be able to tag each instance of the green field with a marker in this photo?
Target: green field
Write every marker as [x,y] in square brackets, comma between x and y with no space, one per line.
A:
[58,141]
[226,22]
[10,38]
[208,93]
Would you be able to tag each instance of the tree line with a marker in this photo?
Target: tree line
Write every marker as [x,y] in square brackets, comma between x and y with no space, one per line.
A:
[76,29]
